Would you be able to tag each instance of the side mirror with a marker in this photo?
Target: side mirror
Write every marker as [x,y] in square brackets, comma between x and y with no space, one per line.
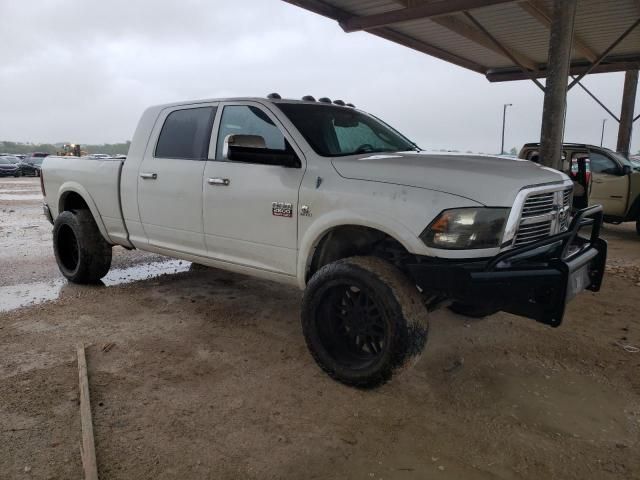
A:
[252,149]
[242,141]
[626,170]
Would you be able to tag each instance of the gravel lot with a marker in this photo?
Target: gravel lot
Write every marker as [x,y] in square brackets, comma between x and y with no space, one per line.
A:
[207,376]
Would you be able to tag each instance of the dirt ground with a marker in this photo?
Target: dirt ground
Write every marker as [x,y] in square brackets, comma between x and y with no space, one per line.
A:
[204,374]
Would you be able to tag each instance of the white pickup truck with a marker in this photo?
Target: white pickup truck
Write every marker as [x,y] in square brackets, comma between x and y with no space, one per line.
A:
[329,198]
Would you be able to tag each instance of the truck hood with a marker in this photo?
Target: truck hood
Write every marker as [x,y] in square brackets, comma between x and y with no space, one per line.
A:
[491,181]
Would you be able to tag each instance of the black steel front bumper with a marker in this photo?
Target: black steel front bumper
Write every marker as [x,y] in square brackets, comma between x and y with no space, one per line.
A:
[535,281]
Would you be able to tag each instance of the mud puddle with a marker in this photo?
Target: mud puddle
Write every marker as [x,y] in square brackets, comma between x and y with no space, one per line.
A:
[26,294]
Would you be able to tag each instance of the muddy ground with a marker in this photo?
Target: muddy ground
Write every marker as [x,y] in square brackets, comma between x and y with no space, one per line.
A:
[204,374]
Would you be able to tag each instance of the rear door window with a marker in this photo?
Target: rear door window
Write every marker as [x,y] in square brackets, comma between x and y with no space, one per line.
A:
[186,134]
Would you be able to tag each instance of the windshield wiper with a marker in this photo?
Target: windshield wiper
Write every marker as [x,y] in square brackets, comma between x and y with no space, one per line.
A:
[373,150]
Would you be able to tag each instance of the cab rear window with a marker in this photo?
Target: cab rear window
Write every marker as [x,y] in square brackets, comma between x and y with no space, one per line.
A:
[186,133]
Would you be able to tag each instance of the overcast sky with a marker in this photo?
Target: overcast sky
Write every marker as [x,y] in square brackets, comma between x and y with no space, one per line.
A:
[84,70]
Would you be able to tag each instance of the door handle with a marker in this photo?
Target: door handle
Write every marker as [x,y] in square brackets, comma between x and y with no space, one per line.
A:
[149,176]
[223,182]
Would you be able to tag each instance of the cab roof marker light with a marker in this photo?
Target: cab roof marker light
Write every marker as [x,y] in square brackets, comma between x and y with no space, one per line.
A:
[308,98]
[274,96]
[324,100]
[339,102]
[351,105]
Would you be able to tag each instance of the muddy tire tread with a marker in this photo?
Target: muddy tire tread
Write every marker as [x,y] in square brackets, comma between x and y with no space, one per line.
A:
[94,251]
[401,300]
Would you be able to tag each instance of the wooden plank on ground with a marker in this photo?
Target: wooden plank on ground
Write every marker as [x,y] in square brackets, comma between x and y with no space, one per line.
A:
[87,449]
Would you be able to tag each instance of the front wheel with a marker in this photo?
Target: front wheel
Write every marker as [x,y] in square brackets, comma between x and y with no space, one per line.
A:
[81,251]
[363,321]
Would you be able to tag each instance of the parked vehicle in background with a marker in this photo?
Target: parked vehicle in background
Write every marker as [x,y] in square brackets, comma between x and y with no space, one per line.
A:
[615,180]
[35,160]
[8,168]
[329,198]
[17,162]
[19,155]
[29,169]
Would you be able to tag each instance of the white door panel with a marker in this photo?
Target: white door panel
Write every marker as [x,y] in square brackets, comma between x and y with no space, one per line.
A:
[171,205]
[170,179]
[239,222]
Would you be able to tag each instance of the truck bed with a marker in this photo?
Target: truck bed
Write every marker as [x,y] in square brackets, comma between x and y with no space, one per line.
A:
[97,181]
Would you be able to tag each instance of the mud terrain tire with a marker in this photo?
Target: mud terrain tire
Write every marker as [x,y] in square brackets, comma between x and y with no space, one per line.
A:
[363,321]
[82,253]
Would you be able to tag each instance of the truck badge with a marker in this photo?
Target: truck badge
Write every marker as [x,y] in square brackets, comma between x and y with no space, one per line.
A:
[281,209]
[305,211]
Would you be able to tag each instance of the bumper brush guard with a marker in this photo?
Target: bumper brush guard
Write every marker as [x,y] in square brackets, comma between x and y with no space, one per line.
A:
[535,281]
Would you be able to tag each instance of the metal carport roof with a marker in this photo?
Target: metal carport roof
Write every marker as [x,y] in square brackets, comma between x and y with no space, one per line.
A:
[505,40]
[502,39]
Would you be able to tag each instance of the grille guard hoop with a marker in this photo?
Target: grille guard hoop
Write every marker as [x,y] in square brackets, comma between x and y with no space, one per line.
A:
[588,216]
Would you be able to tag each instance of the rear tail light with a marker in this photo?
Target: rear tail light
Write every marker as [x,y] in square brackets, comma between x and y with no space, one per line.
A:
[44,193]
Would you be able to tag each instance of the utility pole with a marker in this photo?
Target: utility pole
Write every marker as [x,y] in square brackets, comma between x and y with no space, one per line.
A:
[626,113]
[504,117]
[555,96]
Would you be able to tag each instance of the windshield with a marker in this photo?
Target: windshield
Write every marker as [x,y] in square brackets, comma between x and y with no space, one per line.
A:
[337,131]
[36,161]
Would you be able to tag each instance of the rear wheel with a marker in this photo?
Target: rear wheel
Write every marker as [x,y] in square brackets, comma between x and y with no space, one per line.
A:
[82,253]
[363,321]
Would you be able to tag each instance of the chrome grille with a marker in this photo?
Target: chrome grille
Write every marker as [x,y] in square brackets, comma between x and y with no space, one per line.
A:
[565,212]
[543,214]
[538,204]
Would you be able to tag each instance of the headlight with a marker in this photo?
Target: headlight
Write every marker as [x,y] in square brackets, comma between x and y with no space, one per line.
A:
[466,228]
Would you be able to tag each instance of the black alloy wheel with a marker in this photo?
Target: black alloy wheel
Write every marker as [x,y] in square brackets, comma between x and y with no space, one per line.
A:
[351,327]
[363,320]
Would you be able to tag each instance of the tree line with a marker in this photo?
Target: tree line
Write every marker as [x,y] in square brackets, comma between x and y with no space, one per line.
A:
[108,148]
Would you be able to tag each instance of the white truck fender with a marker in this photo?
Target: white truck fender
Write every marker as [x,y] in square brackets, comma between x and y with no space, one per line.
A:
[363,218]
[75,187]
